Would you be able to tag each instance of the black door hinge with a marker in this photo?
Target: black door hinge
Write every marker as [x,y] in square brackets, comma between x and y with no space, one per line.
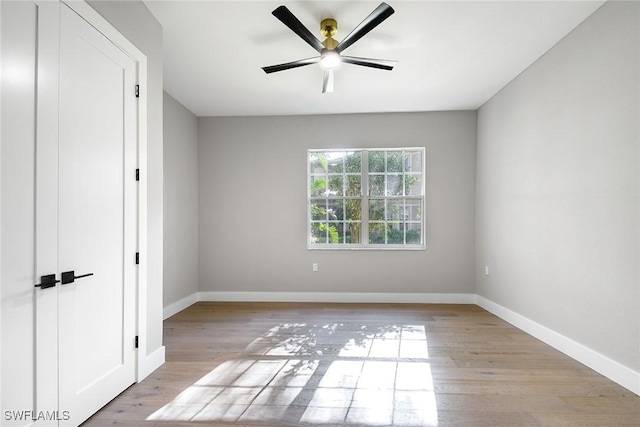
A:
[137,91]
[137,174]
[137,258]
[136,341]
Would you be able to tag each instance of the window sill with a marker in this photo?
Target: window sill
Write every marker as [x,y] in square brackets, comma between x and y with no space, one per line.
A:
[366,248]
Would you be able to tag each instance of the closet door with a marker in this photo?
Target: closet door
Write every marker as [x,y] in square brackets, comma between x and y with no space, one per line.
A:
[96,217]
[17,135]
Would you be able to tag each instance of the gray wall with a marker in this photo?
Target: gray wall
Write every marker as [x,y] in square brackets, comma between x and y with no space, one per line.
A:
[180,201]
[139,26]
[558,219]
[252,207]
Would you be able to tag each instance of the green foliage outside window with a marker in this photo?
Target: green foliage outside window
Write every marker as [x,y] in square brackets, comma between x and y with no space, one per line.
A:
[394,197]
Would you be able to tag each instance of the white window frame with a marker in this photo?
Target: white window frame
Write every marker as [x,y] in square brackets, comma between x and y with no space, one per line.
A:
[365,201]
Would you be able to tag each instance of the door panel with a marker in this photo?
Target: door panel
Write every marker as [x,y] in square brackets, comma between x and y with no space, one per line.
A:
[96,148]
[46,218]
[18,88]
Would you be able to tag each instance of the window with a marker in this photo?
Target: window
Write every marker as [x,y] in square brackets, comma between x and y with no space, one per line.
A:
[366,198]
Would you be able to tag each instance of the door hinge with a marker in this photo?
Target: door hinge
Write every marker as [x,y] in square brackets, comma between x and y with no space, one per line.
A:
[136,343]
[137,91]
[137,174]
[137,258]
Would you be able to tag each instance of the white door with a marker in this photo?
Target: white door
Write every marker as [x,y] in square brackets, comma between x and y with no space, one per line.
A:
[97,219]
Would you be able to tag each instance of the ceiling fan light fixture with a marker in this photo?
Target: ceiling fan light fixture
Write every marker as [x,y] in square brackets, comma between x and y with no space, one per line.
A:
[330,59]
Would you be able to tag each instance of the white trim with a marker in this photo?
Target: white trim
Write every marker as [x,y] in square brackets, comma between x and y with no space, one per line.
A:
[178,306]
[345,297]
[89,14]
[93,17]
[142,217]
[150,363]
[626,377]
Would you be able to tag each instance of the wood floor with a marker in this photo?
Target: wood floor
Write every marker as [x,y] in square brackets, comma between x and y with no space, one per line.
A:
[362,365]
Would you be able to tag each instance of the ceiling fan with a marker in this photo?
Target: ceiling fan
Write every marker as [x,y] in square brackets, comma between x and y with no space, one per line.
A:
[331,50]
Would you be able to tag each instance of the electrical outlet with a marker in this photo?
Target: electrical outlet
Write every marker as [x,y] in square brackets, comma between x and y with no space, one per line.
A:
[315,266]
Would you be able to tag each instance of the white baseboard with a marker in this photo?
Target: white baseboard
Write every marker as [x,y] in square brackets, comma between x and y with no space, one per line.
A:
[344,297]
[626,377]
[150,363]
[178,306]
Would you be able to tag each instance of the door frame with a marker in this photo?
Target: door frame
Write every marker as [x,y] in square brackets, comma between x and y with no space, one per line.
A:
[144,365]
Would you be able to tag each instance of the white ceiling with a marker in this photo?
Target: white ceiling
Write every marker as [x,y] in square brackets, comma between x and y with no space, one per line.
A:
[452,55]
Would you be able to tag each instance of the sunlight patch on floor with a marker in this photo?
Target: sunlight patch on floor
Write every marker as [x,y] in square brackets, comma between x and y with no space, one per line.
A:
[318,374]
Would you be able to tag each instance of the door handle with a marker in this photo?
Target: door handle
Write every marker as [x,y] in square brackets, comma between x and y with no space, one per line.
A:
[47,281]
[70,277]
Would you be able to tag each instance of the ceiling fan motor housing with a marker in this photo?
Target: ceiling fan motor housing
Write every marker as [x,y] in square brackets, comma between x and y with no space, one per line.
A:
[329,28]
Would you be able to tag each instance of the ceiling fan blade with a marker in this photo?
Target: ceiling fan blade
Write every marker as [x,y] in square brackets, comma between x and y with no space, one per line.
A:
[327,81]
[376,17]
[288,19]
[382,64]
[289,65]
